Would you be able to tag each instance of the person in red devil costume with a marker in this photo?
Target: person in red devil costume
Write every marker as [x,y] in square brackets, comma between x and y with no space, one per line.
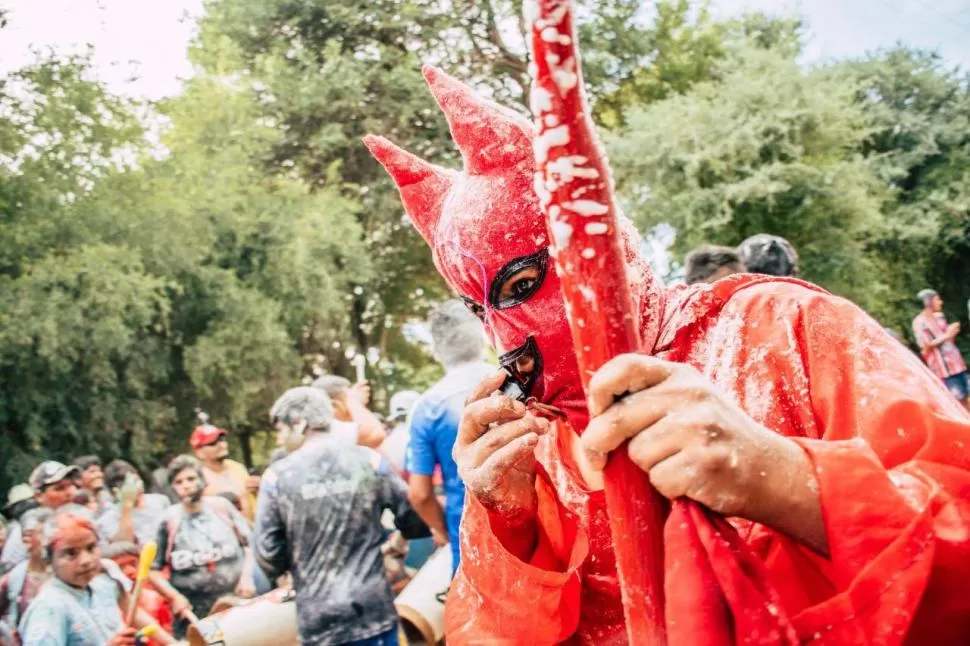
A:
[841,462]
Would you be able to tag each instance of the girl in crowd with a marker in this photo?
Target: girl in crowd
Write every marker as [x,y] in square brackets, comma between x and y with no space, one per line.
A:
[81,605]
[203,542]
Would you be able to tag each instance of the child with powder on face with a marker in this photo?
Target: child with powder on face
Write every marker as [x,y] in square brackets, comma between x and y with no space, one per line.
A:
[82,603]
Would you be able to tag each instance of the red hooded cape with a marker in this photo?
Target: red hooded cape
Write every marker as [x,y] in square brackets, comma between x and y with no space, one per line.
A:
[887,441]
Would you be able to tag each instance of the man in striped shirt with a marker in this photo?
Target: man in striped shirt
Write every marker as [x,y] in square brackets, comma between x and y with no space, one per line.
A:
[935,338]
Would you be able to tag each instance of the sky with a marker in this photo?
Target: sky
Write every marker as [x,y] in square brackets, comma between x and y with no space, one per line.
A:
[146,40]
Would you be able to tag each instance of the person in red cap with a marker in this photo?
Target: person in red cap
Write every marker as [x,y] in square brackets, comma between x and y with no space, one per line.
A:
[841,463]
[222,474]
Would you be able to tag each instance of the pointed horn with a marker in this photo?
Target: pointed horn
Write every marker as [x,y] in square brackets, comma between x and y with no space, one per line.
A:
[488,135]
[423,186]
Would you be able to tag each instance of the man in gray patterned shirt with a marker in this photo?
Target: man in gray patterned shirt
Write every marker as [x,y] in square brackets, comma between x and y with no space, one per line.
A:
[319,517]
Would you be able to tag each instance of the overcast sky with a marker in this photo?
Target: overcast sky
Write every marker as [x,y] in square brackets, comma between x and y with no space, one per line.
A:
[147,38]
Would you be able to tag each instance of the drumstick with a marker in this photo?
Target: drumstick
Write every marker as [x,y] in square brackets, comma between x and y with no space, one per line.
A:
[189,616]
[360,362]
[145,560]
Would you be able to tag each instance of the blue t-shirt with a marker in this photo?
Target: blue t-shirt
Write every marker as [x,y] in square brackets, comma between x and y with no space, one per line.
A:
[64,616]
[434,427]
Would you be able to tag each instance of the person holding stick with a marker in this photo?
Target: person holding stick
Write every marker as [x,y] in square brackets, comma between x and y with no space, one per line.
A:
[353,422]
[808,457]
[84,601]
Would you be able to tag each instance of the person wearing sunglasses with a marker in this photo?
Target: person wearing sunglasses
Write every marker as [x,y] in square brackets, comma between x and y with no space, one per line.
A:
[222,474]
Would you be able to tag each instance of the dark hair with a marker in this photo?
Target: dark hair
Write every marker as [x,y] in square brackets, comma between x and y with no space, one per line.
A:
[180,464]
[115,472]
[770,255]
[85,462]
[704,262]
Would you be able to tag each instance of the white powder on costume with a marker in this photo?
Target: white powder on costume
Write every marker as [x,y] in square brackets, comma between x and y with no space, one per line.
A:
[586,207]
[562,233]
[541,100]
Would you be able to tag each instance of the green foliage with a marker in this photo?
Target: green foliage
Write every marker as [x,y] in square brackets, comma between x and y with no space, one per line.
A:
[767,148]
[59,134]
[81,357]
[139,293]
[919,116]
[629,61]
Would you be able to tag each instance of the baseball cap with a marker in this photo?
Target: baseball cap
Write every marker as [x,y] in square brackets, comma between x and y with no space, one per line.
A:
[205,435]
[402,403]
[50,472]
[19,493]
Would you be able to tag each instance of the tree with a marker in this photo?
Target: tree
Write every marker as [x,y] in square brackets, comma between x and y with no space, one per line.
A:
[918,112]
[632,58]
[83,363]
[767,148]
[260,264]
[80,322]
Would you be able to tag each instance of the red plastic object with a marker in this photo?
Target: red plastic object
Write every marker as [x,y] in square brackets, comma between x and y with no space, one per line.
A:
[576,190]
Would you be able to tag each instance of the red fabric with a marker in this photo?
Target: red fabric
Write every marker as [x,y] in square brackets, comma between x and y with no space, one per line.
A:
[890,452]
[887,441]
[150,600]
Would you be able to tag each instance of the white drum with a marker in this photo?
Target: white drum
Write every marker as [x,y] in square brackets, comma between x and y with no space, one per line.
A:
[269,619]
[421,604]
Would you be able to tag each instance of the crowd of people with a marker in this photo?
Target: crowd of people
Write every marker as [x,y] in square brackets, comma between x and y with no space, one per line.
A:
[316,519]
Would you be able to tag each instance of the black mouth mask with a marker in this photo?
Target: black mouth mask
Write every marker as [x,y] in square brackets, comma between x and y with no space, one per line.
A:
[196,495]
[519,386]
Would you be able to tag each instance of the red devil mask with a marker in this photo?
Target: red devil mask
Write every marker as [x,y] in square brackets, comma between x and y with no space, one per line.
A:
[489,240]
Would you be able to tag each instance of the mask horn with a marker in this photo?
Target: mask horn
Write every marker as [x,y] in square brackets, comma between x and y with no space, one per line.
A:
[489,136]
[423,186]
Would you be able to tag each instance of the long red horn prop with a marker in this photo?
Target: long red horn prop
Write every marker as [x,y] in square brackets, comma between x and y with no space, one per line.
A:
[576,191]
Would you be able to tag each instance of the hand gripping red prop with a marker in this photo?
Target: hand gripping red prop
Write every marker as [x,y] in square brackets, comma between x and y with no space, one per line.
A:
[576,192]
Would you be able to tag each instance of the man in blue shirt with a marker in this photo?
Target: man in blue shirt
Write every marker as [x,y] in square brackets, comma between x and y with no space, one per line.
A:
[459,344]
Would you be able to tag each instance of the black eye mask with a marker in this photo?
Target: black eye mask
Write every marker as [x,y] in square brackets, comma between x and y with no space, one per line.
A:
[539,260]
